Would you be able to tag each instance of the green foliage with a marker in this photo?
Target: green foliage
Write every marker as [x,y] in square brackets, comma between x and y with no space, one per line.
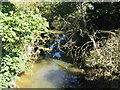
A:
[18,28]
[77,20]
[103,16]
[10,68]
[7,6]
[56,12]
[26,6]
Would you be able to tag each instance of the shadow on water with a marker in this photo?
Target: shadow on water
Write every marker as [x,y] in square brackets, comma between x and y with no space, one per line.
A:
[50,73]
[46,75]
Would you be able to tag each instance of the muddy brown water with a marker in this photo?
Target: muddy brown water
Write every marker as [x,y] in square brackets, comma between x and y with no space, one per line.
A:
[47,74]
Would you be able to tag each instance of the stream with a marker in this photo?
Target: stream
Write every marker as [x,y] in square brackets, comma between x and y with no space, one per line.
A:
[50,73]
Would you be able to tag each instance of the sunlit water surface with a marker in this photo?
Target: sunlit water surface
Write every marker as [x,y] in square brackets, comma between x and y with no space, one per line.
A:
[49,74]
[45,75]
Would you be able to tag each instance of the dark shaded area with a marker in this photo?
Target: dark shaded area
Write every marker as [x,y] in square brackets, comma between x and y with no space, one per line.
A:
[7,7]
[55,12]
[63,79]
[104,16]
[100,83]
[65,8]
[80,40]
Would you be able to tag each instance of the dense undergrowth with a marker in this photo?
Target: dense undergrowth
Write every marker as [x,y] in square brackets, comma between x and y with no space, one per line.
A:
[91,46]
[93,39]
[20,30]
[105,67]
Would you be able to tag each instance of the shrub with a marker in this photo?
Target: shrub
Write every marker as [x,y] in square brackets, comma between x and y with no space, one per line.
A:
[108,65]
[18,29]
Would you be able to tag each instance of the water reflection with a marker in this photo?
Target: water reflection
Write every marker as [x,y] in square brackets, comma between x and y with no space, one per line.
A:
[55,46]
[49,77]
[46,75]
[49,74]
